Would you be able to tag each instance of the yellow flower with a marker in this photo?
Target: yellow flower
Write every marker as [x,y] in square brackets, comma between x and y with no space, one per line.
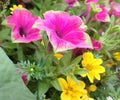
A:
[116,56]
[92,88]
[71,90]
[86,97]
[93,66]
[14,7]
[42,42]
[110,63]
[58,55]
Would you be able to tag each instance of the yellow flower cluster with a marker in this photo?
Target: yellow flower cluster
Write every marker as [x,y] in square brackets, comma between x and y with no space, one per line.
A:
[72,90]
[93,66]
[14,7]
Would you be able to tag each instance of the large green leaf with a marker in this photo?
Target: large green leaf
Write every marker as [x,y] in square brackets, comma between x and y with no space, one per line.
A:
[11,84]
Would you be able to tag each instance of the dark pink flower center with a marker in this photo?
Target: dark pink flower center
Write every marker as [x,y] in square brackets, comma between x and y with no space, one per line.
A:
[22,32]
[58,34]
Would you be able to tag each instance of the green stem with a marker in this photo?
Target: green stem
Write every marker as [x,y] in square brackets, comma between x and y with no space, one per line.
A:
[38,98]
[20,52]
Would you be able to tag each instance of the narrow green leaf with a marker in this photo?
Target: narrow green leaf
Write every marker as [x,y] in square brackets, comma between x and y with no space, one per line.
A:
[76,61]
[80,71]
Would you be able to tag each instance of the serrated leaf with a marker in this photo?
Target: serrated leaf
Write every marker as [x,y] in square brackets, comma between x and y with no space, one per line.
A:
[11,84]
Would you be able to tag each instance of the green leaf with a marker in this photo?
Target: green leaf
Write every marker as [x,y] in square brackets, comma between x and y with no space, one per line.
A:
[80,71]
[76,61]
[43,88]
[56,84]
[66,59]
[11,84]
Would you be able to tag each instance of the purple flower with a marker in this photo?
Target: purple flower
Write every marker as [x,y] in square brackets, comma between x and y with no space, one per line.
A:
[64,31]
[21,22]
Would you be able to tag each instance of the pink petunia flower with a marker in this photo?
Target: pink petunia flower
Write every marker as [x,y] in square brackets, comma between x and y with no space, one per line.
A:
[64,31]
[96,44]
[88,7]
[21,22]
[91,1]
[70,3]
[115,9]
[102,16]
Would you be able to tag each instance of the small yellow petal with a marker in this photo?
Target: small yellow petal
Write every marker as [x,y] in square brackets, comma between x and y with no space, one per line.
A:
[58,55]
[97,61]
[88,56]
[92,88]
[42,42]
[91,77]
[110,63]
[20,6]
[11,9]
[65,96]
[14,6]
[63,83]
[116,56]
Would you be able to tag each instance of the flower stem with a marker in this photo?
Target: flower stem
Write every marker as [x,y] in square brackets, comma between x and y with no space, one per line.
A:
[19,52]
[38,91]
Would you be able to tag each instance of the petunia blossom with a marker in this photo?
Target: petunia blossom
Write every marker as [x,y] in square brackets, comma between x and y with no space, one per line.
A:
[103,15]
[70,3]
[91,1]
[115,9]
[97,45]
[21,22]
[64,31]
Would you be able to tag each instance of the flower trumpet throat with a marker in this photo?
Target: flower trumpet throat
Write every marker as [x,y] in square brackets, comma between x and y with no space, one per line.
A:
[93,66]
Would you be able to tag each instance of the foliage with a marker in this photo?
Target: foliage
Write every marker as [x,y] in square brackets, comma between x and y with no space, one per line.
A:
[30,70]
